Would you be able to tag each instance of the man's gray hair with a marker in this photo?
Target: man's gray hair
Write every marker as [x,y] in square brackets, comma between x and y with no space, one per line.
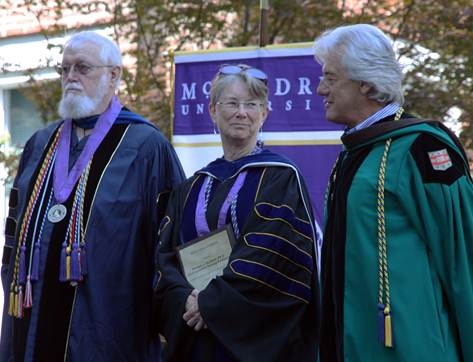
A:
[366,54]
[109,52]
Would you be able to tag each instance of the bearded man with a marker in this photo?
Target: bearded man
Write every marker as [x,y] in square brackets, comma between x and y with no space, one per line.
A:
[83,219]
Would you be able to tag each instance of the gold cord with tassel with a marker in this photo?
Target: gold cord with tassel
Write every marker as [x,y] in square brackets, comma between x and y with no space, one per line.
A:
[385,328]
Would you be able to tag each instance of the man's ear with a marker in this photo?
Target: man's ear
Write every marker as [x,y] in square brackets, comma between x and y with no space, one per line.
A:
[365,88]
[116,71]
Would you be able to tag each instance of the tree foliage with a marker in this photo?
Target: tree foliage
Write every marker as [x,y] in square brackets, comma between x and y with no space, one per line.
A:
[434,40]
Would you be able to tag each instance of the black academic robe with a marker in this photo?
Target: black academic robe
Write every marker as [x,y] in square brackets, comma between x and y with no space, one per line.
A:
[107,316]
[265,305]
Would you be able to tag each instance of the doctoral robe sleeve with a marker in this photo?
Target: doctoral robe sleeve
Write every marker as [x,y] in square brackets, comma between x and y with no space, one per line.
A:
[168,173]
[31,153]
[171,172]
[170,287]
[35,143]
[439,196]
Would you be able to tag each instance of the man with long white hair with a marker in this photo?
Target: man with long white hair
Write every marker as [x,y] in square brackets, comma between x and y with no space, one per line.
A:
[84,213]
[397,259]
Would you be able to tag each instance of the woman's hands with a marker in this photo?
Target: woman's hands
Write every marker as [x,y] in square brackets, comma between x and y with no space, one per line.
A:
[192,314]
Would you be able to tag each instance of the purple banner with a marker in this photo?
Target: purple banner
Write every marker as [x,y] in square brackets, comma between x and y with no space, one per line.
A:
[296,126]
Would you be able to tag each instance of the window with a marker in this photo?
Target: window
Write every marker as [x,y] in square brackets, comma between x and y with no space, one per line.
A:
[22,117]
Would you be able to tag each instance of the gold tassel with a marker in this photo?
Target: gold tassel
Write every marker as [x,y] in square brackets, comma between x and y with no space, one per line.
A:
[68,267]
[15,304]
[388,336]
[11,306]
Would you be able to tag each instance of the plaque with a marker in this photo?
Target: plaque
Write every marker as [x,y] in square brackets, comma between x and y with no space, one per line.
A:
[56,213]
[204,258]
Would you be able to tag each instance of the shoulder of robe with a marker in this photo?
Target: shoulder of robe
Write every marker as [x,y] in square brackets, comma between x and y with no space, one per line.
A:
[437,161]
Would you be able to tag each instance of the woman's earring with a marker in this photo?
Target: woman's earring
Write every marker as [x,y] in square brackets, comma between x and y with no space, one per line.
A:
[215,129]
[260,141]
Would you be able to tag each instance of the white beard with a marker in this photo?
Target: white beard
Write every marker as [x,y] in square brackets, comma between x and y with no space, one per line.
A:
[77,106]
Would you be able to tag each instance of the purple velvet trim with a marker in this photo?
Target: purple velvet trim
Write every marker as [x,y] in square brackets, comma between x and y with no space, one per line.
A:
[282,247]
[271,278]
[285,213]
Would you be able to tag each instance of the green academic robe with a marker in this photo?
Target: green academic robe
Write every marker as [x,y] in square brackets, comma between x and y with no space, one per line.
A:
[428,210]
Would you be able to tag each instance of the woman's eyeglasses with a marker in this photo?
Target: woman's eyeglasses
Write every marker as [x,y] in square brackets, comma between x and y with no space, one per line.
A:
[236,69]
[233,106]
[81,68]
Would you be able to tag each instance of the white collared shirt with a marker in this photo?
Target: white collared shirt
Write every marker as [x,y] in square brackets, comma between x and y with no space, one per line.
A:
[387,110]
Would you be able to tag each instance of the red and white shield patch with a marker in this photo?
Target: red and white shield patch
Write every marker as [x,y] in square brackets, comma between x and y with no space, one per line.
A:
[440,160]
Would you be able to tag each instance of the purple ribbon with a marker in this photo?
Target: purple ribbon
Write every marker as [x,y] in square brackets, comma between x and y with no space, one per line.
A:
[201,224]
[64,180]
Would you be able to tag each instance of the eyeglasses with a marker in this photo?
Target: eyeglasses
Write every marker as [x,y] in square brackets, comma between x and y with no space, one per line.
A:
[81,68]
[232,106]
[236,69]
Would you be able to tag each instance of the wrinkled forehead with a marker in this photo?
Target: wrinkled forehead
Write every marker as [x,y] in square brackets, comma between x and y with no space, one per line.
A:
[83,51]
